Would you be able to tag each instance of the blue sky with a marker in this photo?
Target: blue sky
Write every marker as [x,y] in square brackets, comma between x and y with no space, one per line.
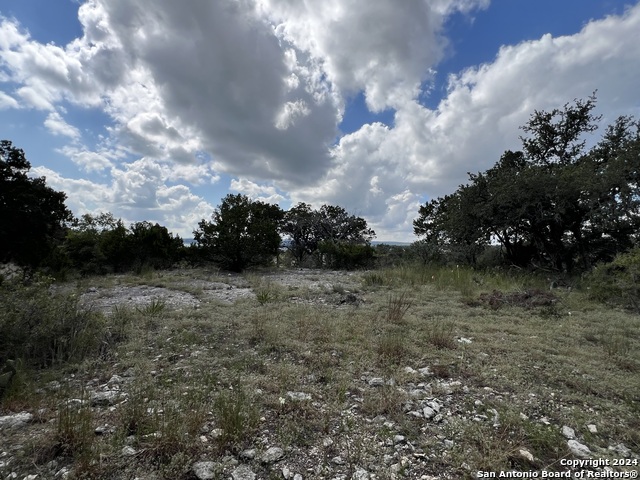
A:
[155,110]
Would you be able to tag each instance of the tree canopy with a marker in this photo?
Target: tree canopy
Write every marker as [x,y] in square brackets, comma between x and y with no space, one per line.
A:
[553,204]
[242,233]
[32,215]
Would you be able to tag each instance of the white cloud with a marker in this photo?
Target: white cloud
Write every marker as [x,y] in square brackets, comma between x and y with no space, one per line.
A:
[7,101]
[257,88]
[262,193]
[56,125]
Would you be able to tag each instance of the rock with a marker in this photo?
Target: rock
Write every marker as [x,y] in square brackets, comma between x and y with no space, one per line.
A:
[360,474]
[272,455]
[248,454]
[425,371]
[428,412]
[578,449]
[327,442]
[568,433]
[526,454]
[592,428]
[398,439]
[216,433]
[297,476]
[338,460]
[298,396]
[104,399]
[115,379]
[464,340]
[622,450]
[128,451]
[15,421]
[243,472]
[376,382]
[409,370]
[204,470]
[286,473]
[434,405]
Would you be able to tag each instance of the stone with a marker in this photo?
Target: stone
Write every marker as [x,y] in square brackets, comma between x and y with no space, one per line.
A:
[204,470]
[104,399]
[15,421]
[578,449]
[434,405]
[425,371]
[128,451]
[464,340]
[338,460]
[621,450]
[298,396]
[592,428]
[376,382]
[398,439]
[248,454]
[297,476]
[272,455]
[568,433]
[428,412]
[526,454]
[243,472]
[361,474]
[286,473]
[409,371]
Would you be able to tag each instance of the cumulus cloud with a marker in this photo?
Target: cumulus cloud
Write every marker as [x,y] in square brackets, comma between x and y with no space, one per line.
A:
[257,88]
[57,126]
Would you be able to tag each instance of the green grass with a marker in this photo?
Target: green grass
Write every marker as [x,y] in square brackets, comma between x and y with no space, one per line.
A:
[206,384]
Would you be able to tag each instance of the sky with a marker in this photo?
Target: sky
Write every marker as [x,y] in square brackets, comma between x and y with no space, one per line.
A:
[157,109]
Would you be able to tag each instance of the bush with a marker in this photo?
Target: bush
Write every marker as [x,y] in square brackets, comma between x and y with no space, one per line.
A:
[349,256]
[43,327]
[617,282]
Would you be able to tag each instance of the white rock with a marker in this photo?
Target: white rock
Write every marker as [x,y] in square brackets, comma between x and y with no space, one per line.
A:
[424,371]
[104,399]
[298,396]
[428,412]
[568,433]
[204,470]
[592,428]
[398,439]
[297,476]
[286,473]
[272,455]
[410,370]
[128,451]
[578,449]
[243,472]
[360,474]
[376,382]
[526,454]
[464,340]
[17,420]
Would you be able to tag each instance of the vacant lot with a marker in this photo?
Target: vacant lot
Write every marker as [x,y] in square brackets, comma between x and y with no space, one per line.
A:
[399,373]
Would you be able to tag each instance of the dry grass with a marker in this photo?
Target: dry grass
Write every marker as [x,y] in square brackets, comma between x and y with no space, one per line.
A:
[213,381]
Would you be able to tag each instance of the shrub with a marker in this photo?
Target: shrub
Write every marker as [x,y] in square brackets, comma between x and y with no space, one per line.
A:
[43,327]
[617,282]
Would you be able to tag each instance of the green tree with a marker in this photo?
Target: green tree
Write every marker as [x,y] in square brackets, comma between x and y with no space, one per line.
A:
[336,238]
[554,204]
[32,215]
[154,246]
[242,233]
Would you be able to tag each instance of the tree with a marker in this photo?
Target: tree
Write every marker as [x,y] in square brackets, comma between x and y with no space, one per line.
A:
[242,233]
[32,215]
[301,225]
[342,239]
[154,246]
[553,204]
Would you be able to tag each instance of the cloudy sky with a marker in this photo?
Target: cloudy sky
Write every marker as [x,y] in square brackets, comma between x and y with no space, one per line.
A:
[156,109]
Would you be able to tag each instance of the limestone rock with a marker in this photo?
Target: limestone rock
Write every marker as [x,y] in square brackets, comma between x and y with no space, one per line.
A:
[204,470]
[578,449]
[243,472]
[272,455]
[568,433]
[17,420]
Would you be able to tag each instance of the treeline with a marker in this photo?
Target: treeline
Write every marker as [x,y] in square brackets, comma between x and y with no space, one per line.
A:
[554,205]
[38,231]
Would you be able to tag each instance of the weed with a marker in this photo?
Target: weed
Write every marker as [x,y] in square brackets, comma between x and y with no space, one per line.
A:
[391,347]
[237,417]
[441,334]
[397,307]
[373,279]
[154,309]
